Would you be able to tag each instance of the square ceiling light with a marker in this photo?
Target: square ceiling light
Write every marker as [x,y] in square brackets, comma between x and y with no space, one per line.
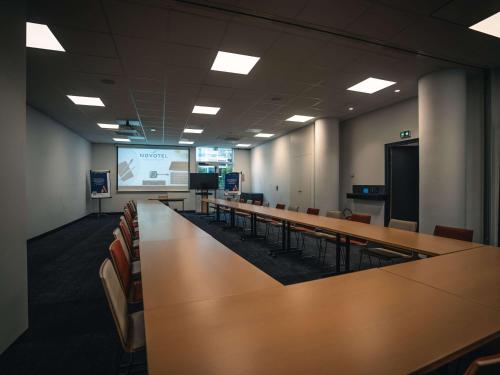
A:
[264,135]
[39,36]
[108,126]
[193,131]
[121,139]
[86,100]
[234,63]
[185,142]
[490,25]
[299,118]
[371,85]
[204,110]
[243,145]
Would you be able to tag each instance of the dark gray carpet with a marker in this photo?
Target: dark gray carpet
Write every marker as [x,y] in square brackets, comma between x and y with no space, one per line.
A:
[71,330]
[286,268]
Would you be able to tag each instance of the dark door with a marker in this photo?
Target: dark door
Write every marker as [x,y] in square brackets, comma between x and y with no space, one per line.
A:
[404,183]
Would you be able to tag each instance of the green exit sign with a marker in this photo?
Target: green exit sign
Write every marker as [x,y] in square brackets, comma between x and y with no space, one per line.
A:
[405,134]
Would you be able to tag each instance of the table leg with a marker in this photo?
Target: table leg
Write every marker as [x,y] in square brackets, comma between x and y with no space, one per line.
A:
[283,235]
[347,254]
[253,225]
[217,212]
[288,235]
[232,217]
[338,250]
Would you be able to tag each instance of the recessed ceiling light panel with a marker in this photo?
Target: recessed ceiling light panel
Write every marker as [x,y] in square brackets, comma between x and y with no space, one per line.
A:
[205,110]
[299,118]
[243,145]
[234,63]
[86,100]
[183,142]
[193,131]
[39,36]
[121,139]
[490,25]
[264,135]
[371,85]
[108,126]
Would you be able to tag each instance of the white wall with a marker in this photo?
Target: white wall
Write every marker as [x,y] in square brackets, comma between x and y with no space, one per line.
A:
[104,157]
[305,160]
[57,168]
[13,278]
[362,154]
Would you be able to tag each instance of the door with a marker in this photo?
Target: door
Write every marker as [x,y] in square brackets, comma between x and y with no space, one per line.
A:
[301,182]
[404,183]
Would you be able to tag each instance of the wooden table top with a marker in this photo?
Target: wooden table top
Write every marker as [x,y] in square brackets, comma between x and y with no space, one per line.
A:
[182,270]
[370,322]
[158,222]
[180,262]
[418,242]
[472,274]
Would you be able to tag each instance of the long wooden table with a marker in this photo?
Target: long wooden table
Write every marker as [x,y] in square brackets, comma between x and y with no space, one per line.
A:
[395,238]
[181,263]
[369,322]
[471,274]
[208,311]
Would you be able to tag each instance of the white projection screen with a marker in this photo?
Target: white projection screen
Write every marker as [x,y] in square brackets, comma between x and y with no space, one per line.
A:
[152,169]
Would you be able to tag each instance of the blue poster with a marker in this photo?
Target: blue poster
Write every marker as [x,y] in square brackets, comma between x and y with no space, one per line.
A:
[232,183]
[99,184]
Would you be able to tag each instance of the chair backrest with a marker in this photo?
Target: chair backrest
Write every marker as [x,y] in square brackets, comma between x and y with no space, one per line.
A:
[484,365]
[335,214]
[116,300]
[242,200]
[117,234]
[257,203]
[131,207]
[127,236]
[313,211]
[453,232]
[293,208]
[280,206]
[128,218]
[361,218]
[410,226]
[121,265]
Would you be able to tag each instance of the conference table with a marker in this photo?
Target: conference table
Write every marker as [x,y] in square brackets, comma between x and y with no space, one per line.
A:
[208,311]
[394,238]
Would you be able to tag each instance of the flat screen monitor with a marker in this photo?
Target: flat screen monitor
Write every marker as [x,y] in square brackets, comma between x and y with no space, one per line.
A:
[203,181]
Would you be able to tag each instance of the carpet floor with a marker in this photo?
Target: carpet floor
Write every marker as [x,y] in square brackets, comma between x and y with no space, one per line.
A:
[71,330]
[286,268]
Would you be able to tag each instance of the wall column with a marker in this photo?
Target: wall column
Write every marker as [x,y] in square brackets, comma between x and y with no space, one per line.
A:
[13,278]
[442,110]
[326,164]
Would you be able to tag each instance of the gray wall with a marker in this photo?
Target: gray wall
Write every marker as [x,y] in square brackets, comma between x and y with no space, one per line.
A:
[104,157]
[300,168]
[57,167]
[362,158]
[13,279]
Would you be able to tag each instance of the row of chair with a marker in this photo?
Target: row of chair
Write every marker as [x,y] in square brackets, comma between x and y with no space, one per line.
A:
[120,276]
[273,229]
